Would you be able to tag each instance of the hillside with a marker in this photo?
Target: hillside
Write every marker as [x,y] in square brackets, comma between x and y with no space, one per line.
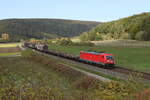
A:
[40,28]
[135,27]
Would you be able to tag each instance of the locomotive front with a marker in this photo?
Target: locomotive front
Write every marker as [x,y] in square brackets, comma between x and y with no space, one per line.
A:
[109,59]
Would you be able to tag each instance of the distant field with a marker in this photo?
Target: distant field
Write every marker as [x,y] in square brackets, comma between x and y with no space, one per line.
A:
[75,39]
[125,43]
[4,45]
[137,58]
[9,54]
[9,49]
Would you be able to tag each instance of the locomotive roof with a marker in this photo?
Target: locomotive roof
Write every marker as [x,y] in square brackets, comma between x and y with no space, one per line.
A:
[96,53]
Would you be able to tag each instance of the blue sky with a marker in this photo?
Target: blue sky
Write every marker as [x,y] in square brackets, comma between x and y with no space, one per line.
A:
[92,10]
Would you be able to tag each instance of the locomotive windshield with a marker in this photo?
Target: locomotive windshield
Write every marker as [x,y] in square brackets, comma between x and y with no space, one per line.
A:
[109,57]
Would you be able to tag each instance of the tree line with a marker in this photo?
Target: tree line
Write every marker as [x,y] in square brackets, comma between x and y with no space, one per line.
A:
[135,27]
[43,28]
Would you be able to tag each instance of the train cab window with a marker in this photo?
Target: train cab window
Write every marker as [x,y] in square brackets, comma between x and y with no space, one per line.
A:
[109,57]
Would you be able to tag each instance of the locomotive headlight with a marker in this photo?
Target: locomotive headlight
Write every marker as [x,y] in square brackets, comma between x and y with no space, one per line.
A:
[109,61]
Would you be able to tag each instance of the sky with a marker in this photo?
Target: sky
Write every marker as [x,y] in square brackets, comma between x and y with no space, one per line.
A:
[90,10]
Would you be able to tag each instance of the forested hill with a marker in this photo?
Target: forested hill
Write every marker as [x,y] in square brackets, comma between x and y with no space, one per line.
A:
[40,28]
[134,27]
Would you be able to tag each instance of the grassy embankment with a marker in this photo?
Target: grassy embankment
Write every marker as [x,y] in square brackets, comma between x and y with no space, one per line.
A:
[43,78]
[8,49]
[131,57]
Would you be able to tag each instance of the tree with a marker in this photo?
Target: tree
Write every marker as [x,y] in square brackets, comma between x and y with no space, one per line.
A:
[125,35]
[142,35]
[5,36]
[33,40]
[84,36]
[64,41]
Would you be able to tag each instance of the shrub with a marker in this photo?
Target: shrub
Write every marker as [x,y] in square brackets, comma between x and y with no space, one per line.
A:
[67,41]
[83,44]
[84,36]
[142,35]
[125,35]
[64,41]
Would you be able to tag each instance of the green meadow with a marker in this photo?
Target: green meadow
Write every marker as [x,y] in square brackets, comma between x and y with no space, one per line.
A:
[137,58]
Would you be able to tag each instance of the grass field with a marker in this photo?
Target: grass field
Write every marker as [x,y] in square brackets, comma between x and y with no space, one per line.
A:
[125,43]
[9,54]
[31,76]
[131,57]
[38,78]
[9,49]
[75,39]
[4,45]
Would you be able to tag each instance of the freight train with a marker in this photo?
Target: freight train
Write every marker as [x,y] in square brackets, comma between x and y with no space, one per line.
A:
[98,58]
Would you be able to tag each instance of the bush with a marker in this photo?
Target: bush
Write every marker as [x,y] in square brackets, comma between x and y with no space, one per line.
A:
[67,41]
[64,41]
[108,36]
[83,44]
[125,36]
[84,36]
[142,35]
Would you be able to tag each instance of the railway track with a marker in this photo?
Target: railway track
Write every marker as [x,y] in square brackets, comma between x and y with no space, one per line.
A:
[132,72]
[117,69]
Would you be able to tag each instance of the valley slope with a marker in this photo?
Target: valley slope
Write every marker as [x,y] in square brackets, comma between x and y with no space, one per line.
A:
[135,27]
[40,28]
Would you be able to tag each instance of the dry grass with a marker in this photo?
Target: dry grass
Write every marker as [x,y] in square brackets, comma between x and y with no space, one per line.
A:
[125,43]
[9,50]
[143,95]
[5,45]
[75,39]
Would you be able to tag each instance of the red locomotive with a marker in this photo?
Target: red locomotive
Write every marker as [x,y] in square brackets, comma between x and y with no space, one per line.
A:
[98,58]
